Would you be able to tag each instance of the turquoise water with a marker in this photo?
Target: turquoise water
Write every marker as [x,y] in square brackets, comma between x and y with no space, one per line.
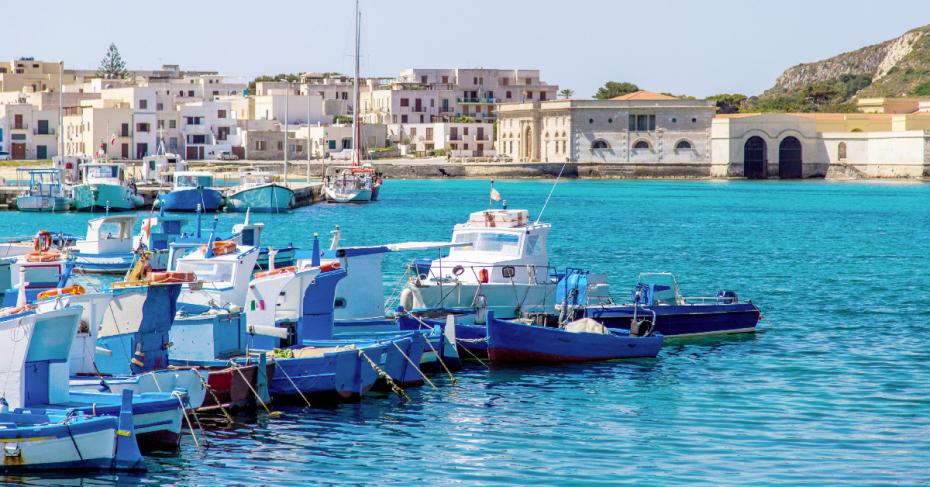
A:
[833,388]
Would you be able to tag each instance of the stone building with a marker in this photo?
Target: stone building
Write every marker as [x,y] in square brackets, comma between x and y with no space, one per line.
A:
[640,127]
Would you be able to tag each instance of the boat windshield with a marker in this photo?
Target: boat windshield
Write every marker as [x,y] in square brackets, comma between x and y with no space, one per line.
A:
[184,181]
[256,179]
[102,172]
[502,243]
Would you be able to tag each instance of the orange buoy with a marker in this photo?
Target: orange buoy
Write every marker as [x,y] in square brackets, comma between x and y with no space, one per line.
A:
[76,289]
[221,247]
[330,266]
[43,256]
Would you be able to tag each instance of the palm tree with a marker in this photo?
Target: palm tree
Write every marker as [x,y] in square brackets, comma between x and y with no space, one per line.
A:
[567,93]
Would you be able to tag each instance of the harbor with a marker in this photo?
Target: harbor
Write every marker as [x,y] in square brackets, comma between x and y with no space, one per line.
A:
[724,386]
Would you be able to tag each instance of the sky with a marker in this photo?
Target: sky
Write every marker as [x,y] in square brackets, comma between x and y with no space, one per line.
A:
[698,48]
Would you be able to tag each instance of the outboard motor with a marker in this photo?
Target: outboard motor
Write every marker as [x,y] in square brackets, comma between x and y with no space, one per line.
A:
[640,327]
[727,297]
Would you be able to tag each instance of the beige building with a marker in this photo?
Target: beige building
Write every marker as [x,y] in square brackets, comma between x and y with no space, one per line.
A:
[31,76]
[454,139]
[642,127]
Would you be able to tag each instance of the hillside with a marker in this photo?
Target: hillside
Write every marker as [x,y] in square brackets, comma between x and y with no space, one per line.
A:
[896,67]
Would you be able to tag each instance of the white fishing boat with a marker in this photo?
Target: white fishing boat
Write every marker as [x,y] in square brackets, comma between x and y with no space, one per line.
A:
[44,191]
[499,263]
[108,245]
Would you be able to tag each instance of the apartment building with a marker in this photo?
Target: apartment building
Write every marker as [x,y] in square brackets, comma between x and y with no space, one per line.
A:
[455,139]
[27,132]
[29,75]
[327,140]
[207,128]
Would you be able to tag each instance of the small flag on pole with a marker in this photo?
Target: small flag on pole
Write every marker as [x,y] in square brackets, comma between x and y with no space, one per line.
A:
[113,140]
[495,195]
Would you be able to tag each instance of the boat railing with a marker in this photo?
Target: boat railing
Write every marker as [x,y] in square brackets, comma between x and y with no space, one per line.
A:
[708,300]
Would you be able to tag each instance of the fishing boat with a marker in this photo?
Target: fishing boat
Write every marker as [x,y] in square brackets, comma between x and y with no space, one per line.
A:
[291,309]
[44,193]
[131,337]
[357,183]
[107,246]
[209,329]
[191,190]
[156,235]
[499,263]
[584,340]
[72,442]
[35,343]
[248,233]
[657,298]
[258,191]
[104,189]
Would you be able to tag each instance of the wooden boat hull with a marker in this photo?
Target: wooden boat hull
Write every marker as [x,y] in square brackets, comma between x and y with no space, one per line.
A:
[512,342]
[683,321]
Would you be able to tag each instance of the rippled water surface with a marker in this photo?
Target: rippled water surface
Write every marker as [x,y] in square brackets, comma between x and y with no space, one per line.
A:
[834,387]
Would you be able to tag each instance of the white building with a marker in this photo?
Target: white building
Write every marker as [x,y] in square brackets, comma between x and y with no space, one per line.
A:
[455,139]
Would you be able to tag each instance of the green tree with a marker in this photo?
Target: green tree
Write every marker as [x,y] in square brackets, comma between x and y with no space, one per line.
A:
[293,78]
[615,88]
[567,93]
[728,102]
[112,66]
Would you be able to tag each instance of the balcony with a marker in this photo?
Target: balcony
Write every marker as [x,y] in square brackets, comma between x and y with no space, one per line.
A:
[20,126]
[49,131]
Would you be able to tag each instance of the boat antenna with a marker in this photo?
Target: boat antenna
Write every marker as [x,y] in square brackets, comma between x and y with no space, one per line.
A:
[551,190]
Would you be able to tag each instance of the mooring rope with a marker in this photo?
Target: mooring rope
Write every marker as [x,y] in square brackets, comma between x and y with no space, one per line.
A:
[387,378]
[216,399]
[293,384]
[186,417]
[257,396]
[414,365]
[437,354]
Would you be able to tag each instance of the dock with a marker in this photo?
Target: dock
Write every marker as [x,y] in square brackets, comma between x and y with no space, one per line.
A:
[305,194]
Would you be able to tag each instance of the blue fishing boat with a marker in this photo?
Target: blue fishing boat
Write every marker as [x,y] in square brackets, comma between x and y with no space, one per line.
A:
[108,245]
[44,192]
[190,190]
[287,307]
[73,442]
[657,299]
[36,341]
[258,191]
[579,341]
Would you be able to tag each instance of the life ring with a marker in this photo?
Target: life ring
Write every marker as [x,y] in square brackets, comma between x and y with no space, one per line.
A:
[406,299]
[275,272]
[330,266]
[458,270]
[221,247]
[76,289]
[171,277]
[42,241]
[46,256]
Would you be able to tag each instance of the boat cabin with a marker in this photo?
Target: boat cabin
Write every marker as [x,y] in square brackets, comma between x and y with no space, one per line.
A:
[255,178]
[38,276]
[225,277]
[70,167]
[192,179]
[496,246]
[161,168]
[42,182]
[103,173]
[108,235]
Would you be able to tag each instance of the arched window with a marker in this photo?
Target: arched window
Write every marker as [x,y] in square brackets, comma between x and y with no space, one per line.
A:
[683,145]
[841,151]
[641,144]
[600,144]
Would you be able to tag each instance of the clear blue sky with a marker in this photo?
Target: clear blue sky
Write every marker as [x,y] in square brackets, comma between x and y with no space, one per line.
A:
[692,47]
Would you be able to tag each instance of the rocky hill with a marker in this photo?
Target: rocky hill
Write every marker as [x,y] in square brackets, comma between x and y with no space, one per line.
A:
[896,67]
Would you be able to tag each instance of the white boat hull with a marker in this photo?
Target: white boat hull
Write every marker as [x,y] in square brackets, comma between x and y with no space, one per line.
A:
[506,300]
[355,196]
[158,381]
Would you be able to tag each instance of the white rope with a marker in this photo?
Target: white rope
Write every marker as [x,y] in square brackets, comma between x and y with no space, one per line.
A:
[551,190]
[186,417]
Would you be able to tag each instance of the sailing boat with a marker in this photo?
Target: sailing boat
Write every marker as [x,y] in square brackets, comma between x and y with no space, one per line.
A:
[359,182]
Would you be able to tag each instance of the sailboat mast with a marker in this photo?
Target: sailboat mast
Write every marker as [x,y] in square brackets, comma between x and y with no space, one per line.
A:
[356,130]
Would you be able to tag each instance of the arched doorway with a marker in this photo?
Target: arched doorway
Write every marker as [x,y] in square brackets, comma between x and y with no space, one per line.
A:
[528,144]
[789,158]
[755,161]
